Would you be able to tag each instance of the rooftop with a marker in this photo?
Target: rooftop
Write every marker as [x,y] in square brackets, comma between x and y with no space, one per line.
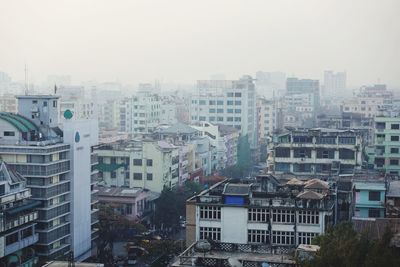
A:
[178,128]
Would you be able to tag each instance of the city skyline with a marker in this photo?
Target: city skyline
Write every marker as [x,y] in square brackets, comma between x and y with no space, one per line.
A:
[185,42]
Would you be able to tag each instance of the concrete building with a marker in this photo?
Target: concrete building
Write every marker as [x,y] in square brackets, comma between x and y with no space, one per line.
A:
[146,111]
[8,103]
[265,211]
[267,117]
[387,149]
[369,101]
[144,164]
[56,161]
[135,204]
[18,217]
[224,139]
[315,151]
[227,102]
[334,83]
[270,84]
[369,199]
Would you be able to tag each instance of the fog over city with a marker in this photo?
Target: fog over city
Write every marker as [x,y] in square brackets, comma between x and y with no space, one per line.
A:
[208,133]
[183,41]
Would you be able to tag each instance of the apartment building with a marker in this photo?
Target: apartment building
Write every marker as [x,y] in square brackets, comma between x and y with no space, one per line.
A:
[227,102]
[334,83]
[56,160]
[146,111]
[145,164]
[267,211]
[387,146]
[267,120]
[369,199]
[224,139]
[18,217]
[369,101]
[8,103]
[315,151]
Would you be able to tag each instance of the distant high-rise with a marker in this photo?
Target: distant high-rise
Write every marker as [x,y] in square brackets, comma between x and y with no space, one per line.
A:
[270,84]
[334,83]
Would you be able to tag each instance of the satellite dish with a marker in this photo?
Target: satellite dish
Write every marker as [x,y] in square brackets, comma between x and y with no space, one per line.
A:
[233,262]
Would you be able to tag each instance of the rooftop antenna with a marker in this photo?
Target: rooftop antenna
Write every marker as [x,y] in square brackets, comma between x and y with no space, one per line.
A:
[26,80]
[55,89]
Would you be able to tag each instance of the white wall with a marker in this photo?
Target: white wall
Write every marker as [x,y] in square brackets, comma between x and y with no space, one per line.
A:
[234,221]
[80,184]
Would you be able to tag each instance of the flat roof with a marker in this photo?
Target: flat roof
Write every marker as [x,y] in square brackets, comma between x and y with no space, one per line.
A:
[76,264]
[37,96]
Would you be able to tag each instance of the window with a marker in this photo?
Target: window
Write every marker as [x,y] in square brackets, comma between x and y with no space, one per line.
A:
[202,102]
[258,215]
[374,213]
[113,161]
[257,236]
[137,162]
[9,133]
[113,175]
[220,110]
[282,152]
[282,238]
[26,232]
[229,94]
[394,162]
[238,119]
[220,102]
[210,212]
[238,102]
[229,103]
[308,217]
[305,238]
[211,102]
[212,233]
[395,126]
[347,140]
[54,103]
[229,110]
[202,118]
[44,103]
[137,176]
[346,154]
[283,216]
[149,177]
[11,239]
[220,118]
[394,150]
[394,138]
[374,196]
[238,111]
[34,101]
[211,110]
[212,118]
[238,94]
[149,162]
[229,119]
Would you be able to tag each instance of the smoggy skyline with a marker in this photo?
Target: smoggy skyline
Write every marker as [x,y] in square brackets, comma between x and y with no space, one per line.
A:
[183,41]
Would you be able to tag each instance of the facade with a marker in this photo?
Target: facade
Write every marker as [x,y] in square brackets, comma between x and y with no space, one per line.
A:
[316,151]
[393,200]
[267,120]
[224,139]
[334,83]
[369,199]
[266,212]
[146,164]
[56,164]
[369,101]
[132,203]
[146,111]
[18,215]
[8,103]
[387,149]
[227,102]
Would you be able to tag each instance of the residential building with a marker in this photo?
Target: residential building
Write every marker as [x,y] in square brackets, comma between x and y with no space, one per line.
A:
[56,161]
[334,83]
[224,139]
[369,199]
[267,121]
[227,102]
[393,199]
[266,211]
[369,101]
[8,103]
[135,204]
[387,149]
[315,151]
[168,110]
[18,217]
[146,164]
[270,84]
[146,111]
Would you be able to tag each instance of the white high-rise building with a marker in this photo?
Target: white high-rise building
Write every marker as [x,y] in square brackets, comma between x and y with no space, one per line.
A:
[146,110]
[334,83]
[227,102]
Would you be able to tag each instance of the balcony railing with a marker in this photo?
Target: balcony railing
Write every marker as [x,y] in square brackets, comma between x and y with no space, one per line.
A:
[22,243]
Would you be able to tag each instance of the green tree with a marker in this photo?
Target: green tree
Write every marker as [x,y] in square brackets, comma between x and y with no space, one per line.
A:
[167,208]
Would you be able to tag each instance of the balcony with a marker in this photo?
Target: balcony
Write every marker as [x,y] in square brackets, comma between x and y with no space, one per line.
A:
[20,220]
[22,243]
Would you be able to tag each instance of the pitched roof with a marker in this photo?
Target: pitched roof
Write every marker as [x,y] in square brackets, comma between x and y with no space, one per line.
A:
[294,181]
[8,174]
[310,195]
[236,189]
[316,184]
[179,128]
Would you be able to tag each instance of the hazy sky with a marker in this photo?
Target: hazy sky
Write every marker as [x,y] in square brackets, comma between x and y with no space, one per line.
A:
[183,41]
